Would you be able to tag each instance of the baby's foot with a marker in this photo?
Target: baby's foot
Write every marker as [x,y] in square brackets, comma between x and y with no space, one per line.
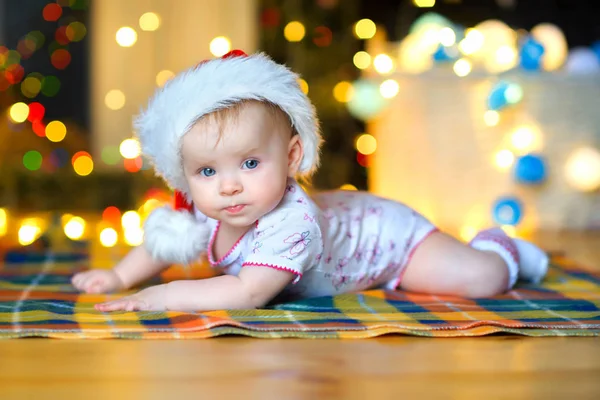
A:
[534,261]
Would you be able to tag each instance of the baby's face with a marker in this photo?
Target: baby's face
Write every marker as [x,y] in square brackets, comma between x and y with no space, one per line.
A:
[240,175]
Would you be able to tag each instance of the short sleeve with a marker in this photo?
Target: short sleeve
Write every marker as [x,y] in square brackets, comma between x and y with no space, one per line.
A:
[292,243]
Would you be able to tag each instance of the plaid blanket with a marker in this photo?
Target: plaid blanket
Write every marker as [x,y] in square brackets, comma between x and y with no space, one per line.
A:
[36,299]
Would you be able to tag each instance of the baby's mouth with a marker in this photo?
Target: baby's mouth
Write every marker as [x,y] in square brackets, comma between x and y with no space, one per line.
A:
[235,209]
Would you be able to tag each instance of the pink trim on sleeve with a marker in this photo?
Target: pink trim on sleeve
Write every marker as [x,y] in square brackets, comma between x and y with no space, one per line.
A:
[212,241]
[278,267]
[410,256]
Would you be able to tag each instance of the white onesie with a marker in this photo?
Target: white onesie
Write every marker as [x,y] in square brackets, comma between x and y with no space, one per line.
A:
[334,242]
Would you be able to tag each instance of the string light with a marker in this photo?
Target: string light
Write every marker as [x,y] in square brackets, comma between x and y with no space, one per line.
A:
[126,36]
[343,92]
[389,88]
[149,21]
[383,64]
[130,148]
[462,67]
[366,144]
[134,236]
[447,37]
[362,60]
[220,46]
[365,29]
[526,139]
[108,237]
[56,131]
[504,159]
[114,99]
[19,112]
[582,169]
[294,31]
[130,219]
[74,228]
[28,232]
[491,117]
[83,165]
[472,42]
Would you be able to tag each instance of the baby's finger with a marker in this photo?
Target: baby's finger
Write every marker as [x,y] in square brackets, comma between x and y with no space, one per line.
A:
[115,305]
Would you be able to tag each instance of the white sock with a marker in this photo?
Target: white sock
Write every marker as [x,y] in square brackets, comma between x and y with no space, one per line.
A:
[534,261]
[496,240]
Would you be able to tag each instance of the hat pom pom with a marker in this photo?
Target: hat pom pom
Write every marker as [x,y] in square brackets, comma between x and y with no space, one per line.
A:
[175,236]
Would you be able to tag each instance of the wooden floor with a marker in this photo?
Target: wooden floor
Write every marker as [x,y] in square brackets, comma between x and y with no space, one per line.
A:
[392,367]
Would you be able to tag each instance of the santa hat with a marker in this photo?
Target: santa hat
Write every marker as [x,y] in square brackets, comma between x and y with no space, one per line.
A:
[174,235]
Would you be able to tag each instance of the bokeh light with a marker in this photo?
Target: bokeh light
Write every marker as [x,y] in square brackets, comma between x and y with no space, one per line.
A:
[348,186]
[366,144]
[149,21]
[365,29]
[130,148]
[134,236]
[303,85]
[36,111]
[447,36]
[322,36]
[114,99]
[52,12]
[491,117]
[60,36]
[32,160]
[294,31]
[220,46]
[133,164]
[163,76]
[126,36]
[424,3]
[472,42]
[112,215]
[83,165]
[343,91]
[108,237]
[389,88]
[60,58]
[56,131]
[50,86]
[75,228]
[462,67]
[383,64]
[555,45]
[3,221]
[582,169]
[361,60]
[131,219]
[28,233]
[110,155]
[75,31]
[19,112]
[31,86]
[526,139]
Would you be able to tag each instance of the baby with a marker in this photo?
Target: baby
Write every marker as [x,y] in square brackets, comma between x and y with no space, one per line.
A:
[231,136]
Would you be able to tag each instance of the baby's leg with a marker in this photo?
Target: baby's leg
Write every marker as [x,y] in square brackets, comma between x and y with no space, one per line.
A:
[444,265]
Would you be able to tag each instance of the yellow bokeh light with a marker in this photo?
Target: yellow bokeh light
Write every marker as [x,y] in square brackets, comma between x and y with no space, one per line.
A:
[526,139]
[462,67]
[366,144]
[555,45]
[131,219]
[383,64]
[134,236]
[83,165]
[149,206]
[149,21]
[504,159]
[126,36]
[294,31]
[56,131]
[362,60]
[348,186]
[491,117]
[3,222]
[447,36]
[163,76]
[130,148]
[303,85]
[472,42]
[31,86]
[114,99]
[424,3]
[582,169]
[343,92]
[28,233]
[365,29]
[108,237]
[389,88]
[75,228]
[506,55]
[19,112]
[220,46]
[509,230]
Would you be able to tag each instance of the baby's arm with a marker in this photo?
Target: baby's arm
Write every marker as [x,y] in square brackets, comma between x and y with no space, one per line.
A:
[254,287]
[134,268]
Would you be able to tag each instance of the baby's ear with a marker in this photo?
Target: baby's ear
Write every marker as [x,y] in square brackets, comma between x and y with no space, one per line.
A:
[295,154]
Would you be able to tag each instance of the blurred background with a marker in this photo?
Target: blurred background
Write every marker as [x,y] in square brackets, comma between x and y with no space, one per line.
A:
[474,112]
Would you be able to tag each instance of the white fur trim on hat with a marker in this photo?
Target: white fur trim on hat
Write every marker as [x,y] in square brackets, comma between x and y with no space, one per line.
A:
[175,236]
[214,85]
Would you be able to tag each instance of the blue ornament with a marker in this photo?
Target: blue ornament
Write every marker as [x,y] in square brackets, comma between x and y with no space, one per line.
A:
[444,54]
[507,211]
[530,169]
[531,55]
[497,99]
[596,48]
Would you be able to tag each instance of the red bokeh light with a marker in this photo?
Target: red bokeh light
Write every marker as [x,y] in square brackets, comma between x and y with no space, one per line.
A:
[52,12]
[36,112]
[133,165]
[80,154]
[363,160]
[60,59]
[39,128]
[111,214]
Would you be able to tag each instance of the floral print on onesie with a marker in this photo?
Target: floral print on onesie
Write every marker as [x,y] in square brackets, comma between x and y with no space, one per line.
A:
[334,242]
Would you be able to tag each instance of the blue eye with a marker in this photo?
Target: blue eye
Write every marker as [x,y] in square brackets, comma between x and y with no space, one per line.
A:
[251,164]
[207,172]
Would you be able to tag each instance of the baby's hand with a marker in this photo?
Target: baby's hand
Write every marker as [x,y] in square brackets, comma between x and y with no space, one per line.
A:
[153,298]
[98,281]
